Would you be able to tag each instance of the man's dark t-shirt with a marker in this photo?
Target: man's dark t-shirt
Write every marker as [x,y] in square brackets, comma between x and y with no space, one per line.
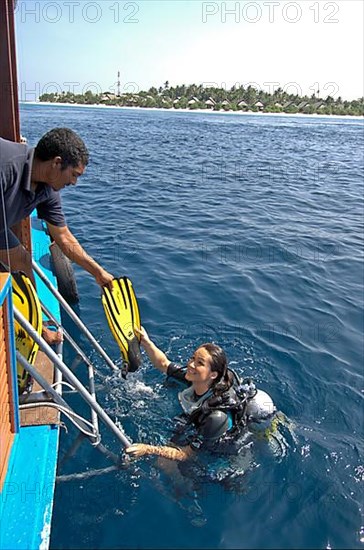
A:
[16,196]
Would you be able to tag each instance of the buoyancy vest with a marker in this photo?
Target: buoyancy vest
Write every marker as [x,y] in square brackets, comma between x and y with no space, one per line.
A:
[242,400]
[189,402]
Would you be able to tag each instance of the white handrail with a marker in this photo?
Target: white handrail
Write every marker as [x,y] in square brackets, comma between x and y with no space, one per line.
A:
[74,317]
[68,374]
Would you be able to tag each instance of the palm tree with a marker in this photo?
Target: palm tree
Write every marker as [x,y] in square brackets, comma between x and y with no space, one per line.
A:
[250,95]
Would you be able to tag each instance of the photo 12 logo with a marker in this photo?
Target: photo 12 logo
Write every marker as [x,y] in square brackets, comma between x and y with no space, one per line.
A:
[32,91]
[271,12]
[74,12]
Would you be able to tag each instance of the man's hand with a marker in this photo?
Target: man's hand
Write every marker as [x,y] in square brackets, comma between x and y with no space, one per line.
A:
[103,278]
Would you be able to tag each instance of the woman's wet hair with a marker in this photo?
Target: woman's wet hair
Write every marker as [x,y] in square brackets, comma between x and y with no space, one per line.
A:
[219,364]
[64,143]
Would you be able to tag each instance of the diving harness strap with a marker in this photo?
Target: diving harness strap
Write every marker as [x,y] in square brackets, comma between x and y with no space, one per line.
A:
[236,402]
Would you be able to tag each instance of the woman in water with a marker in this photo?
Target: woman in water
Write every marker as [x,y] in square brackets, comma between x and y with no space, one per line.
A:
[211,404]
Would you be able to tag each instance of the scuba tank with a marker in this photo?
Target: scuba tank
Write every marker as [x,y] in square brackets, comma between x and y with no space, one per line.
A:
[258,404]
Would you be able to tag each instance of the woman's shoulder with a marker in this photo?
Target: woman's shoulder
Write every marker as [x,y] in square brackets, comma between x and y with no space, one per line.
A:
[177,372]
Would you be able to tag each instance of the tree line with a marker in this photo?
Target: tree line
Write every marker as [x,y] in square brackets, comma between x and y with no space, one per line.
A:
[195,97]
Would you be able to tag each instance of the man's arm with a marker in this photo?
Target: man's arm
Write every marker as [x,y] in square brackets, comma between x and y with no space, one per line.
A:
[70,246]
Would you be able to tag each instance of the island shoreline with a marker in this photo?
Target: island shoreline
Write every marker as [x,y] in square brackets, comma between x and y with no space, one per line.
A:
[198,111]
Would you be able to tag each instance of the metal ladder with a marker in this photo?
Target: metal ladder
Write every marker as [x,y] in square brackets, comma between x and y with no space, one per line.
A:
[51,396]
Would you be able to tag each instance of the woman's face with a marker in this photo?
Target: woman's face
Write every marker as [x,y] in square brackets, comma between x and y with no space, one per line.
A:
[199,367]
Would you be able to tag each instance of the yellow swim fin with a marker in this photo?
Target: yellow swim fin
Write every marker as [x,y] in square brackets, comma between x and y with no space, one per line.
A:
[25,299]
[122,313]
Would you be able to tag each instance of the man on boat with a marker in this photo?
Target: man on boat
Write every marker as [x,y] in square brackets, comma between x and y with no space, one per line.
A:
[32,178]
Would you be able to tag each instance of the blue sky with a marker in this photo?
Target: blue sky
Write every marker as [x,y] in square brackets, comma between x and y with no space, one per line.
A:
[299,46]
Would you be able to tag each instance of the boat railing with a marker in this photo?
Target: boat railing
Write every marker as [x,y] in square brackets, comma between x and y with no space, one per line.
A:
[74,317]
[51,394]
[88,428]
[80,354]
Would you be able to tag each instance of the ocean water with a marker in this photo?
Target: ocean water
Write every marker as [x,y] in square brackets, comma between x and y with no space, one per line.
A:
[246,231]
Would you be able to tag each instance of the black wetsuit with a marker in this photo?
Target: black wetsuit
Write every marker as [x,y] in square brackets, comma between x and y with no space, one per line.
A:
[203,427]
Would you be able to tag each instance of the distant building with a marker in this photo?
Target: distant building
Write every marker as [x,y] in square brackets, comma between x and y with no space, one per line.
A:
[259,105]
[107,96]
[210,103]
[192,101]
[290,104]
[242,105]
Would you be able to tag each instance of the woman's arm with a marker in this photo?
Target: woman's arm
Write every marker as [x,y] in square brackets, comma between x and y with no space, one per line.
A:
[137,450]
[157,356]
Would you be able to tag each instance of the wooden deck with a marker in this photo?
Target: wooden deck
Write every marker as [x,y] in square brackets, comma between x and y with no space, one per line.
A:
[40,416]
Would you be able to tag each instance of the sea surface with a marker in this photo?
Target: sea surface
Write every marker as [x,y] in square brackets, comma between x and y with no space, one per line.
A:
[246,231]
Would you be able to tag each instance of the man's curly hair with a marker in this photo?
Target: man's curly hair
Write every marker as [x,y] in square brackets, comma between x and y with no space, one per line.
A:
[64,143]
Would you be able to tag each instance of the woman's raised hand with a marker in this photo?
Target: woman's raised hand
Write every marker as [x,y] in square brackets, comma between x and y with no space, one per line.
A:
[142,333]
